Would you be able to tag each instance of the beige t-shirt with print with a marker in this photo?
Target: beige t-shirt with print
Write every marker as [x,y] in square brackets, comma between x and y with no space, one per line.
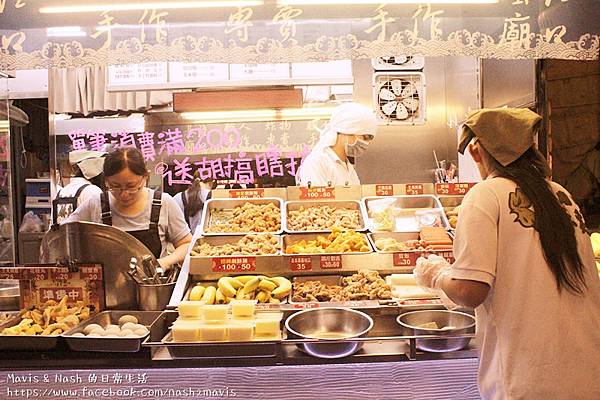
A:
[535,343]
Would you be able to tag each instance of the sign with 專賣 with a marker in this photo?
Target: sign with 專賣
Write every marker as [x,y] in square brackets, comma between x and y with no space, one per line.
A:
[40,283]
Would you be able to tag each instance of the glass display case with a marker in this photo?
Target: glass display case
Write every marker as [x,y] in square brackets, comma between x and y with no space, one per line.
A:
[7,228]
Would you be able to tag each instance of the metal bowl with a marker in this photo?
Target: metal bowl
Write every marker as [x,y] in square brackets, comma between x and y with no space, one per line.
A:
[9,296]
[450,323]
[329,324]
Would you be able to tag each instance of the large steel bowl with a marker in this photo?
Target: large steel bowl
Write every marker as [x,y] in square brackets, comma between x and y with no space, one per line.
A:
[449,323]
[329,324]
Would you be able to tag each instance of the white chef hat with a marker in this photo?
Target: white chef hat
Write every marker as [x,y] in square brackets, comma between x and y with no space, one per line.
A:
[349,119]
[90,162]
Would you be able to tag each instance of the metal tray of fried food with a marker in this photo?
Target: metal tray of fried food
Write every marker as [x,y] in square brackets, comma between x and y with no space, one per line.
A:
[203,265]
[405,212]
[160,337]
[25,342]
[353,205]
[450,202]
[289,240]
[338,281]
[220,211]
[404,237]
[232,239]
[110,344]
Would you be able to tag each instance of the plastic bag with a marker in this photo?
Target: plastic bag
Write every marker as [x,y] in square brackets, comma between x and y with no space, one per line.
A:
[31,223]
[381,213]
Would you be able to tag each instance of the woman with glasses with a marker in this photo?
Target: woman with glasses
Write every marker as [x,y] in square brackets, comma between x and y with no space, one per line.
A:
[150,216]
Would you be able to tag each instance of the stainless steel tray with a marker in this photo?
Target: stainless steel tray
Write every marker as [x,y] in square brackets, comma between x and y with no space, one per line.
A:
[204,264]
[291,239]
[29,342]
[160,338]
[347,204]
[450,202]
[109,344]
[406,208]
[230,204]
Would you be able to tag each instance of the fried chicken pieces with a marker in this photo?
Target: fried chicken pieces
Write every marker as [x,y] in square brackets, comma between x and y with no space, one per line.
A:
[364,285]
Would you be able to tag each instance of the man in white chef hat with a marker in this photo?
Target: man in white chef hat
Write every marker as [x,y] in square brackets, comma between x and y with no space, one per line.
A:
[85,183]
[350,130]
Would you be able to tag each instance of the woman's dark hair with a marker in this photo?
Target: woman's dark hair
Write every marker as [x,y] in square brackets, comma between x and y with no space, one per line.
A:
[193,197]
[552,221]
[125,157]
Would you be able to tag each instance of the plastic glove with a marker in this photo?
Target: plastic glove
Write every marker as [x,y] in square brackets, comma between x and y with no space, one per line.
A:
[430,273]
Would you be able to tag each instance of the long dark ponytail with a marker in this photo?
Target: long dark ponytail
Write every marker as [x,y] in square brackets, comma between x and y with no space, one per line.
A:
[552,221]
[192,194]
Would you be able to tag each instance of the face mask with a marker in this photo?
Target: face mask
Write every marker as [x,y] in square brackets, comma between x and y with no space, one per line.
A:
[357,149]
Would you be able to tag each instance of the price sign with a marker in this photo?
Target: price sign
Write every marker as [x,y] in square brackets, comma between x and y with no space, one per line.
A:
[233,264]
[61,274]
[405,259]
[39,283]
[453,188]
[331,262]
[317,193]
[448,255]
[247,193]
[90,273]
[421,302]
[13,273]
[384,190]
[414,188]
[300,264]
[304,306]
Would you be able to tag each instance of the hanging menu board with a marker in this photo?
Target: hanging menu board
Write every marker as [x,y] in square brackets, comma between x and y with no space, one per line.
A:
[42,282]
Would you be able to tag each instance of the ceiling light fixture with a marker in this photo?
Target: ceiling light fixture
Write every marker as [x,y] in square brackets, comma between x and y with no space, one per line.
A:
[65,31]
[88,8]
[285,114]
[350,2]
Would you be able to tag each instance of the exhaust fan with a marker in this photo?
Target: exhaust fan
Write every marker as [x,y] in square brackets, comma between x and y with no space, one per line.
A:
[398,63]
[400,97]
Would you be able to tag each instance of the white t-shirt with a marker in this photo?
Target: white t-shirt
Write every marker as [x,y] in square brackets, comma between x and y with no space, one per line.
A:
[323,166]
[535,342]
[194,219]
[171,225]
[87,193]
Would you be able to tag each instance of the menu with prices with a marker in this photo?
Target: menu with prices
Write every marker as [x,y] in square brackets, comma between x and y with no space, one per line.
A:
[331,262]
[405,259]
[300,263]
[233,264]
[40,283]
[317,193]
[384,190]
[448,255]
[414,189]
[456,189]
[247,193]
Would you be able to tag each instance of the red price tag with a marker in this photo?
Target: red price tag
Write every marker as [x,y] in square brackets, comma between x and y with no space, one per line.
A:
[453,188]
[384,190]
[300,264]
[331,262]
[405,259]
[90,273]
[304,306]
[39,274]
[247,193]
[234,264]
[442,188]
[317,193]
[448,255]
[414,188]
[13,273]
[61,274]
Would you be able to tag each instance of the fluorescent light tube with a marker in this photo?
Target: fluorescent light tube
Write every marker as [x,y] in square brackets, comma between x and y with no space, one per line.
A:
[350,2]
[288,114]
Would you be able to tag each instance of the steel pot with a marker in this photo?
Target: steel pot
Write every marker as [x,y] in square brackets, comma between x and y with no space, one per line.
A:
[329,324]
[449,323]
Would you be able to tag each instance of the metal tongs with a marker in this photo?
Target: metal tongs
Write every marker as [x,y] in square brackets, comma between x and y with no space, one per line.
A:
[150,272]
